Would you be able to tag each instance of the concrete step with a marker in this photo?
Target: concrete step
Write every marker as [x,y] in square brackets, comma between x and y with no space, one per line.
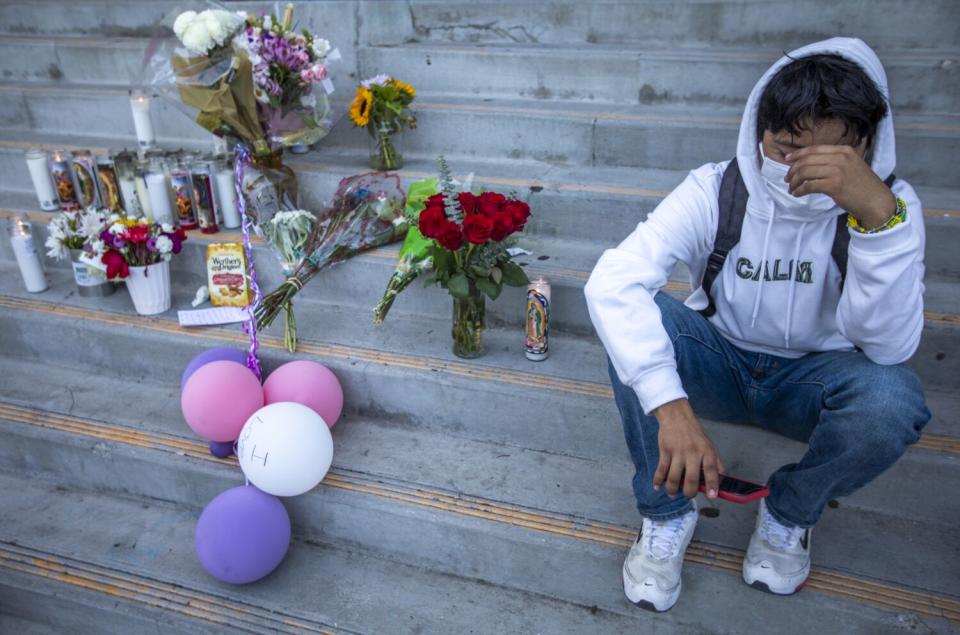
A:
[663,137]
[596,205]
[117,61]
[504,476]
[921,81]
[144,547]
[134,560]
[357,286]
[381,375]
[749,23]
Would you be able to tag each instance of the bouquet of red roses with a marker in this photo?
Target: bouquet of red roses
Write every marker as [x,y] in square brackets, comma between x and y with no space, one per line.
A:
[470,235]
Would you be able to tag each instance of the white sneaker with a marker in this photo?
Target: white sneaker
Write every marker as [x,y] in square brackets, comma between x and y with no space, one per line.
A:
[778,559]
[651,572]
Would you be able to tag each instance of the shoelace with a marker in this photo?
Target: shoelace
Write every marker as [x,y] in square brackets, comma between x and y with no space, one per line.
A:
[663,538]
[778,535]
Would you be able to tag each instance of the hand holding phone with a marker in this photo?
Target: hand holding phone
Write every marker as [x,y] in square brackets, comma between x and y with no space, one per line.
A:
[738,490]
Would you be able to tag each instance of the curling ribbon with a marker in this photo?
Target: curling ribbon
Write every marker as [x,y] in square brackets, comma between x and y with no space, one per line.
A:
[250,326]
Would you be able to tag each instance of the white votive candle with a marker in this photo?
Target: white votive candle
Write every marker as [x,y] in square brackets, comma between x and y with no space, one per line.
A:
[143,197]
[42,181]
[160,207]
[26,254]
[227,197]
[128,190]
[140,105]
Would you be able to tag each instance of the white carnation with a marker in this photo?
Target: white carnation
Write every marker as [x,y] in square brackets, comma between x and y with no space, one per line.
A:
[117,228]
[164,245]
[167,228]
[98,247]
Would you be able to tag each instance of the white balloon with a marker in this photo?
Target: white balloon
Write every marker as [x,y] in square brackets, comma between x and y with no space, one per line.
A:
[285,449]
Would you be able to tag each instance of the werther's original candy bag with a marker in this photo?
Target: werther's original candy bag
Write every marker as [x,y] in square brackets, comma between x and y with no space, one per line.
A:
[227,275]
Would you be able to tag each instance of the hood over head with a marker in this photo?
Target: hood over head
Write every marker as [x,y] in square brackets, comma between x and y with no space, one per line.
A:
[884,149]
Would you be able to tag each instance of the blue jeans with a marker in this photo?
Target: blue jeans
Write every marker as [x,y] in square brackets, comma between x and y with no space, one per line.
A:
[857,416]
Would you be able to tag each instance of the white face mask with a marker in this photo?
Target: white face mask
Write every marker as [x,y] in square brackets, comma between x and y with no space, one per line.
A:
[805,206]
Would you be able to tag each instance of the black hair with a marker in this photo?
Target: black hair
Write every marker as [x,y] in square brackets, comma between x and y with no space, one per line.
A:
[821,87]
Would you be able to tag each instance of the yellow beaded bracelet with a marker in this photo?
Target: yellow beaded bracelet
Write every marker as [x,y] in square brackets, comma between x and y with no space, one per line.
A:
[898,217]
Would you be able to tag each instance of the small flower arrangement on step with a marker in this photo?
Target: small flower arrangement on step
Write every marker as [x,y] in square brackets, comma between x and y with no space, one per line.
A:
[381,105]
[72,234]
[139,252]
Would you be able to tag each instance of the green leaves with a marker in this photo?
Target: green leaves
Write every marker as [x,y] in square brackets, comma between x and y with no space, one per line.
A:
[459,285]
[491,289]
[514,275]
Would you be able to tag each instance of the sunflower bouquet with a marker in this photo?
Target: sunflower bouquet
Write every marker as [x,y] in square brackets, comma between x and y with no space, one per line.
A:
[381,105]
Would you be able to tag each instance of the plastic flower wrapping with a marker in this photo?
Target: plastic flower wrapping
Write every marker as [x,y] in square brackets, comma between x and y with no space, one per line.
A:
[366,212]
[251,78]
[289,69]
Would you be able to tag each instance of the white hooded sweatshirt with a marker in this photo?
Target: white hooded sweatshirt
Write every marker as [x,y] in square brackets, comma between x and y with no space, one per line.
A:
[795,305]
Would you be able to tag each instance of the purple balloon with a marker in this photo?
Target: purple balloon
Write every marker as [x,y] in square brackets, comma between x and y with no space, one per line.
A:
[221,449]
[212,355]
[242,535]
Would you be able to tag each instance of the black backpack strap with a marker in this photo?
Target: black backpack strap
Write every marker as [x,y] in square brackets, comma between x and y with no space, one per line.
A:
[841,240]
[733,207]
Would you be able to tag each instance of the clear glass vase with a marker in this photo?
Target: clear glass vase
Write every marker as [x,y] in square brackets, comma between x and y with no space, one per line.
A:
[386,148]
[469,322]
[269,186]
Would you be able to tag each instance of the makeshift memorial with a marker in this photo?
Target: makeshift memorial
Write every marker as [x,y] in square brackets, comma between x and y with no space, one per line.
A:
[470,235]
[139,252]
[219,397]
[39,168]
[243,534]
[296,440]
[414,253]
[286,67]
[366,212]
[381,105]
[25,251]
[307,383]
[227,275]
[70,235]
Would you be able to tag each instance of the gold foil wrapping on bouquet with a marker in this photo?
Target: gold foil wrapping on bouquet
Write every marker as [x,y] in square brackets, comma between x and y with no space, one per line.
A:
[228,103]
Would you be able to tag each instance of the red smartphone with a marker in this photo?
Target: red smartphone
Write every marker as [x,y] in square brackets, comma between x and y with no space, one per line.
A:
[737,490]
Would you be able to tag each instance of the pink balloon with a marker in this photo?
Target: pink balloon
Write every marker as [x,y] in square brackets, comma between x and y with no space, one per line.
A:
[308,383]
[218,399]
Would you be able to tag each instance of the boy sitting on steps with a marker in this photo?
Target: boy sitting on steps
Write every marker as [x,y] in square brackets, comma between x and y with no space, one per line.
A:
[807,259]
